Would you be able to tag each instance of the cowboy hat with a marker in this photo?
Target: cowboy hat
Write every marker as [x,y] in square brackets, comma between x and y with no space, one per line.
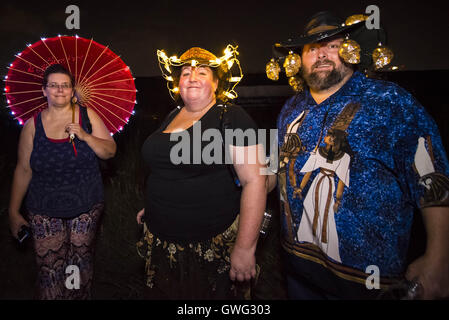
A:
[325,25]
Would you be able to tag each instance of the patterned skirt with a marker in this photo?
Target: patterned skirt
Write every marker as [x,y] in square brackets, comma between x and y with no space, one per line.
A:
[197,270]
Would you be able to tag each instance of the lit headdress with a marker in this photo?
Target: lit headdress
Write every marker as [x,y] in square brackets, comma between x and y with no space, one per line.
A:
[196,56]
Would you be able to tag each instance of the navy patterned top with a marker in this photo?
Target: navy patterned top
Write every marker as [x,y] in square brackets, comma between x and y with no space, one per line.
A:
[352,171]
[63,185]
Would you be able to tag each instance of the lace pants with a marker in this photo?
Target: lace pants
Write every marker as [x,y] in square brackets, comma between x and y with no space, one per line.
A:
[65,254]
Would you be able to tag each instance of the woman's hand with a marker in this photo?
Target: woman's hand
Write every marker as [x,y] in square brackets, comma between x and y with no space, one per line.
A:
[243,264]
[100,140]
[75,128]
[140,215]
[16,221]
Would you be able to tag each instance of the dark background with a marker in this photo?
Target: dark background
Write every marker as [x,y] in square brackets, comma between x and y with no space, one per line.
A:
[133,30]
[417,31]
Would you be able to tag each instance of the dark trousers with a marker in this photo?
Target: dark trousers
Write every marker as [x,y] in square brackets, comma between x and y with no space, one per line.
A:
[299,288]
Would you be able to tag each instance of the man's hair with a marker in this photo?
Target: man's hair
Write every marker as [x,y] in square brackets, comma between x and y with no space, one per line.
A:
[57,68]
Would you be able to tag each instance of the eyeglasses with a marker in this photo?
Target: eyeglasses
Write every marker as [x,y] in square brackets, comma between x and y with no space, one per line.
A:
[63,86]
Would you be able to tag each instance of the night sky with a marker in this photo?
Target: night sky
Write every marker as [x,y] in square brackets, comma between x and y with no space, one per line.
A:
[136,29]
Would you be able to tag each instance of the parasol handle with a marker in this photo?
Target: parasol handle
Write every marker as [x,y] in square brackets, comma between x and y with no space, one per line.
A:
[72,136]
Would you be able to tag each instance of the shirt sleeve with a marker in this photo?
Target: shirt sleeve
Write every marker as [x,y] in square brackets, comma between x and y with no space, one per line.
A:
[420,155]
[244,130]
[281,120]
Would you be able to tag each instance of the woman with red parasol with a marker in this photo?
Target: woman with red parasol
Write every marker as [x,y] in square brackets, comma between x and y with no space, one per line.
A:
[58,171]
[73,94]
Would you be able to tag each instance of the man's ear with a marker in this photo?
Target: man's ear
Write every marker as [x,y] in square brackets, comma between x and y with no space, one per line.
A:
[43,91]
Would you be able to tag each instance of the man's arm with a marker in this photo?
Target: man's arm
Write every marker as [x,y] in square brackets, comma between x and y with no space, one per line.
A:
[432,269]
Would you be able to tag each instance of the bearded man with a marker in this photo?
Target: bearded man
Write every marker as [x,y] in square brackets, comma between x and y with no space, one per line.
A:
[346,215]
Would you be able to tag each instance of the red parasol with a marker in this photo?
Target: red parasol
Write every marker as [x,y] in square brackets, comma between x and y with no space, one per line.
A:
[103,81]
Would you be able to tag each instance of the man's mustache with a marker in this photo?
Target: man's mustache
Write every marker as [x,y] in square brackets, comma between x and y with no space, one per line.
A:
[322,62]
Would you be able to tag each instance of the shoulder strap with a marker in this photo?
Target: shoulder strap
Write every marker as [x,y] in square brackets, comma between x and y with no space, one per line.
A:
[36,118]
[225,123]
[169,117]
[38,126]
[224,119]
[85,117]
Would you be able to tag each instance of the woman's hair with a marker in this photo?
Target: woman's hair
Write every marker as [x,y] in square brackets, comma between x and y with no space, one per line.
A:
[219,73]
[57,68]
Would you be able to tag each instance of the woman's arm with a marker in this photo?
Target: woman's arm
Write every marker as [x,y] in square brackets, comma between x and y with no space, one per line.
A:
[249,165]
[22,177]
[272,180]
[100,141]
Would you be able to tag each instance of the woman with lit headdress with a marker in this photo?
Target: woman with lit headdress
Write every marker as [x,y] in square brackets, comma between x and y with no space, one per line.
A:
[200,227]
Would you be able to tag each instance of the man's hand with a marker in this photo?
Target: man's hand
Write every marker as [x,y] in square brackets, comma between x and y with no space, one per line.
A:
[433,275]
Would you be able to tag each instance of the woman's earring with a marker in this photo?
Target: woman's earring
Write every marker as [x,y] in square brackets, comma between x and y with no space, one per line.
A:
[74,100]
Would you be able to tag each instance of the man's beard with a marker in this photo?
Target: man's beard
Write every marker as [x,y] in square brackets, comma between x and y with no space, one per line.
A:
[322,80]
